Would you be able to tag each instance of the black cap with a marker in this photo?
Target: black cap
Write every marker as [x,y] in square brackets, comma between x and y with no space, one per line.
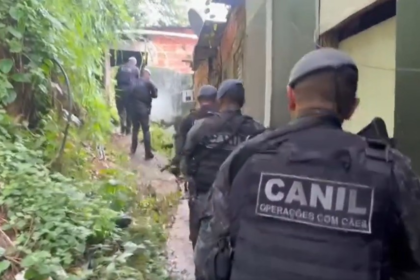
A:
[233,89]
[207,92]
[325,59]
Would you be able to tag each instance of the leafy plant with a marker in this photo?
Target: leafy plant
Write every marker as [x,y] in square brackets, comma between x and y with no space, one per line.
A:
[159,13]
[54,212]
[54,220]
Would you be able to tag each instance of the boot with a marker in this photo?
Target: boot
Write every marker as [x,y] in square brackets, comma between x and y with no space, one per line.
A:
[149,156]
[133,148]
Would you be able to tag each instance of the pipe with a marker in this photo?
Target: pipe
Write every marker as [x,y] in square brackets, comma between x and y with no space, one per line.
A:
[70,96]
[268,63]
[157,32]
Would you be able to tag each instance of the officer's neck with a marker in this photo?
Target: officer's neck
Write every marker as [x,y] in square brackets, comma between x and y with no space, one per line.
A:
[329,116]
[229,108]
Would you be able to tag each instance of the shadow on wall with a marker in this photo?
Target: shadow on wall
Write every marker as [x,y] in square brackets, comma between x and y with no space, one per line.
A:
[170,85]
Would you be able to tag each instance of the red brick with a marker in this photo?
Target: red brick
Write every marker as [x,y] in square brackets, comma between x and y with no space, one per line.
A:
[172,50]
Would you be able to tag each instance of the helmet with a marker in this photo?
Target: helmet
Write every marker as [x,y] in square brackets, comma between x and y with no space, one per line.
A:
[234,89]
[133,60]
[320,60]
[207,92]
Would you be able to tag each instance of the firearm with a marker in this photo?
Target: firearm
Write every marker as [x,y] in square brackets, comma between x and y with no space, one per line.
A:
[166,167]
[376,130]
[221,264]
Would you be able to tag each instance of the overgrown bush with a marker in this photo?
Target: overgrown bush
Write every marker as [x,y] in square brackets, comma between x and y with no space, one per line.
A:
[55,214]
[55,220]
[161,140]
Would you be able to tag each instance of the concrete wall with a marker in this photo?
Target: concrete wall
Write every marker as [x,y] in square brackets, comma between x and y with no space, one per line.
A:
[407,84]
[333,12]
[254,58]
[293,37]
[374,52]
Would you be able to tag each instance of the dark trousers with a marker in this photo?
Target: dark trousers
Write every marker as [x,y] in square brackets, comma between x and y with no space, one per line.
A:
[141,120]
[194,222]
[122,108]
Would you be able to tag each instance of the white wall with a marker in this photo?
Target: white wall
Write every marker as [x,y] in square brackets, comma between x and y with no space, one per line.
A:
[334,12]
[252,7]
[374,52]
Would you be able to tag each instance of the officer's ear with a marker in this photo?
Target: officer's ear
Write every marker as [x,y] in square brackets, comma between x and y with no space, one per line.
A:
[353,109]
[292,99]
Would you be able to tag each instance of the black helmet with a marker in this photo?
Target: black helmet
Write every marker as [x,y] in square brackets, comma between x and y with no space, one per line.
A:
[207,92]
[233,89]
[320,60]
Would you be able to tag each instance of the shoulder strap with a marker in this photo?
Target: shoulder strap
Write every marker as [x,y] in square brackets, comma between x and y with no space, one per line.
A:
[377,149]
[379,156]
[274,138]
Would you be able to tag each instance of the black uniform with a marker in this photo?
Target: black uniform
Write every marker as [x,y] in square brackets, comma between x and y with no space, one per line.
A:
[185,125]
[126,78]
[140,104]
[312,202]
[209,143]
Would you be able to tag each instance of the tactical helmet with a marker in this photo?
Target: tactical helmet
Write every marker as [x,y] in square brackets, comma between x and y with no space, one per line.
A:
[233,89]
[207,92]
[133,60]
[320,60]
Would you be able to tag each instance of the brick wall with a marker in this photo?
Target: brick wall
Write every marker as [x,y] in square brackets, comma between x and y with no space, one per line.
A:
[170,51]
[232,40]
[200,77]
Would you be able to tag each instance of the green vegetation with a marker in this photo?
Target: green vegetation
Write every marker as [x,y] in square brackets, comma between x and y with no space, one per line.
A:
[159,13]
[161,140]
[58,210]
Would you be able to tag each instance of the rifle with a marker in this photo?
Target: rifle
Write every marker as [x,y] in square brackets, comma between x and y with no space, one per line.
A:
[376,130]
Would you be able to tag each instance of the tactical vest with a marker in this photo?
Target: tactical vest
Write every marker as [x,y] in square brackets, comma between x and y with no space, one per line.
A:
[301,214]
[215,148]
[126,75]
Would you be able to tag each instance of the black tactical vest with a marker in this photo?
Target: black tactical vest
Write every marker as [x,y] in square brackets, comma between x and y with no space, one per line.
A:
[215,148]
[307,209]
[126,75]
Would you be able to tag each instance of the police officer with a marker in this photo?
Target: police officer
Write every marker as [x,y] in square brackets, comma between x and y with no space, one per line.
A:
[210,141]
[310,201]
[140,105]
[126,77]
[207,107]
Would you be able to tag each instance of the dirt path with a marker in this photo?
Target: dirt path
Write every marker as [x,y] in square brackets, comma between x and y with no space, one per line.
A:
[179,249]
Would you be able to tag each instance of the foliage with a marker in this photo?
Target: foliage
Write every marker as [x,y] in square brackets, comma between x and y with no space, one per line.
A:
[161,140]
[76,33]
[59,220]
[55,220]
[159,12]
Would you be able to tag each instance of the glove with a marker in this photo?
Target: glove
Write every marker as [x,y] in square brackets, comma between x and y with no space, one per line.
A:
[174,170]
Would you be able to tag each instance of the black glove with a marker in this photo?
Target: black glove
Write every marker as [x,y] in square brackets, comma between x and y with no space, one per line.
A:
[174,170]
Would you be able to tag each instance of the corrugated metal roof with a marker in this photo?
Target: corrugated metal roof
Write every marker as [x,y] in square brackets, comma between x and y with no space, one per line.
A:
[229,2]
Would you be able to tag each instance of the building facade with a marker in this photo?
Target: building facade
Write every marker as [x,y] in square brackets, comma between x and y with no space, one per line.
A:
[381,35]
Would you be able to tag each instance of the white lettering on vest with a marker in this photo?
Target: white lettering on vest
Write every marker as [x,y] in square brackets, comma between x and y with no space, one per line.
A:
[317,202]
